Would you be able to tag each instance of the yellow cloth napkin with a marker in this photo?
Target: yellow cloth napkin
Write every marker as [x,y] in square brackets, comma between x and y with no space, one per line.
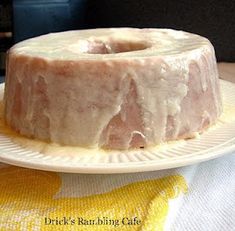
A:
[192,198]
[31,200]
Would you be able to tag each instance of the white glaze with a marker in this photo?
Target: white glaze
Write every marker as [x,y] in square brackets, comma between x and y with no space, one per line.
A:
[57,90]
[227,116]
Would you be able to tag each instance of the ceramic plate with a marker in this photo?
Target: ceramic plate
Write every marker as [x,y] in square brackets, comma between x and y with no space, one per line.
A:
[215,142]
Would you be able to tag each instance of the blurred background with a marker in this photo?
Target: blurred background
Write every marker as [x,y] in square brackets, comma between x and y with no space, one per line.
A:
[22,19]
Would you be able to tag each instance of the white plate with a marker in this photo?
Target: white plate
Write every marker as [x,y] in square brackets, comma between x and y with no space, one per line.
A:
[216,142]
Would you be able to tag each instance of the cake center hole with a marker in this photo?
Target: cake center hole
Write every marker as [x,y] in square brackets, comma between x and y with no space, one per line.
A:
[111,47]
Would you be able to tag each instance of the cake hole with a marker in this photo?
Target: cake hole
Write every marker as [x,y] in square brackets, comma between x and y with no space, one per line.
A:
[112,47]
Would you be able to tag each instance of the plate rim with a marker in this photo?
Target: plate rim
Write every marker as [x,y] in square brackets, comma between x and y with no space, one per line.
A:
[121,168]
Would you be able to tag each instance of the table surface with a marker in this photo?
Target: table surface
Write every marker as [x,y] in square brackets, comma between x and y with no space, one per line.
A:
[227,71]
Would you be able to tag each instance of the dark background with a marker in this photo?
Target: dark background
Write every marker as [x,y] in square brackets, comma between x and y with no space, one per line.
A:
[212,19]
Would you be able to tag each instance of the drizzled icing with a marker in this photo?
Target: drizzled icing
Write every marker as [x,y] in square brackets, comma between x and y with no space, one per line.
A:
[117,88]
